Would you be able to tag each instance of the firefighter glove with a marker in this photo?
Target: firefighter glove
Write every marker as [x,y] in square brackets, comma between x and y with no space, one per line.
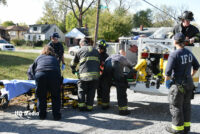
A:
[168,83]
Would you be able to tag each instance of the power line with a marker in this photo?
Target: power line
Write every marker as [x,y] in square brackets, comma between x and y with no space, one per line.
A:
[160,10]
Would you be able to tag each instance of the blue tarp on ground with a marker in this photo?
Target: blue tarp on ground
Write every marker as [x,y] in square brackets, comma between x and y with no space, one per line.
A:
[15,88]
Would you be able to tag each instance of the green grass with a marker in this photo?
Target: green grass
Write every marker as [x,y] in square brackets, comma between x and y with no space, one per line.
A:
[38,48]
[14,65]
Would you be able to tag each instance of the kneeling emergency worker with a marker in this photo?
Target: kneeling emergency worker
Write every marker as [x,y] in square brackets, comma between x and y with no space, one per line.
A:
[113,69]
[179,80]
[88,59]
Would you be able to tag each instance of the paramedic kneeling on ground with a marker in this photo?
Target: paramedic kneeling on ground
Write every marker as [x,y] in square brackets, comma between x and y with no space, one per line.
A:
[46,71]
[179,80]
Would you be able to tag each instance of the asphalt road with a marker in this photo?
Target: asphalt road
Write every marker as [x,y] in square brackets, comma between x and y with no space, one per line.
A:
[149,115]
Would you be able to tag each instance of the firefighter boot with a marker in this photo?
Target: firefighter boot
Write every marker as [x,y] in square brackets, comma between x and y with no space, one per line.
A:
[105,106]
[124,112]
[99,101]
[171,130]
[186,130]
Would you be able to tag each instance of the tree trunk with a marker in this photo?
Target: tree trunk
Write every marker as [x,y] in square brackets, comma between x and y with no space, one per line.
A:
[80,21]
[97,23]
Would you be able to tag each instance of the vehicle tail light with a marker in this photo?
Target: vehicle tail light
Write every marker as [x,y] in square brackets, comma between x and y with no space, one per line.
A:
[165,56]
[134,76]
[145,55]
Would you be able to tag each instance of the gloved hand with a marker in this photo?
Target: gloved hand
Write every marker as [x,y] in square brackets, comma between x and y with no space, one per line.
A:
[63,66]
[168,83]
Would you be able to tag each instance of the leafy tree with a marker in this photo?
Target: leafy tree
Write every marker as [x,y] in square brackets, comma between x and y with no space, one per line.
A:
[162,19]
[79,5]
[143,17]
[51,15]
[8,23]
[4,2]
[111,25]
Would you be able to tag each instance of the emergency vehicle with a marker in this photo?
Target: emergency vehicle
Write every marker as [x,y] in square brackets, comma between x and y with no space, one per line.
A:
[151,60]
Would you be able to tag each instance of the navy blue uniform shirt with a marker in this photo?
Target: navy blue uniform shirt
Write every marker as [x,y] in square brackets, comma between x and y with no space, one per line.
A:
[178,61]
[58,49]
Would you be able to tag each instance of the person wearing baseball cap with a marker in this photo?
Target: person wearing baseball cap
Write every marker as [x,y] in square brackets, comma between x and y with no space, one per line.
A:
[58,48]
[181,67]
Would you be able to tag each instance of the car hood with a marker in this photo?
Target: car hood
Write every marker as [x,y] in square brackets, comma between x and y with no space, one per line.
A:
[5,44]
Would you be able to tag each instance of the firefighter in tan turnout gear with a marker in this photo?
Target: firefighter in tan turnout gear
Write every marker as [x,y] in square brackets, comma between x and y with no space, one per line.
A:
[179,80]
[88,59]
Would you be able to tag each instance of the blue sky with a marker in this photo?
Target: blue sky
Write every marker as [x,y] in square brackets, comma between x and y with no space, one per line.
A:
[29,11]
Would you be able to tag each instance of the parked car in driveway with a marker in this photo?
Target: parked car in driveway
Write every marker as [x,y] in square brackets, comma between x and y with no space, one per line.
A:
[5,46]
[73,50]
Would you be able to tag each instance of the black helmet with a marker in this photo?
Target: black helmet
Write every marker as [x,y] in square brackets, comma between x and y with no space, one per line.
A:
[187,15]
[102,44]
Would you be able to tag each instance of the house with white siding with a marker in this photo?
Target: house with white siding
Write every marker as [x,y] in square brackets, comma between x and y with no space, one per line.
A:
[41,32]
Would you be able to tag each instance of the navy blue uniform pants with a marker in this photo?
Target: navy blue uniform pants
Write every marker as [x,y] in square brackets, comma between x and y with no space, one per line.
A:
[48,81]
[113,70]
[180,104]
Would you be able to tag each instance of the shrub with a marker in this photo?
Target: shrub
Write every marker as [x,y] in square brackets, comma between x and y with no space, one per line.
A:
[18,42]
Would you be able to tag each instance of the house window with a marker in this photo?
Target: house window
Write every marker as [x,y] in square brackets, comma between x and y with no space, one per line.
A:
[12,33]
[39,37]
[29,37]
[71,41]
[54,29]
[34,28]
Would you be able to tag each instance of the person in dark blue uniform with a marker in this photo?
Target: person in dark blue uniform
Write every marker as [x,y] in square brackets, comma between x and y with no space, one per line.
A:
[46,72]
[113,69]
[179,80]
[58,48]
[103,56]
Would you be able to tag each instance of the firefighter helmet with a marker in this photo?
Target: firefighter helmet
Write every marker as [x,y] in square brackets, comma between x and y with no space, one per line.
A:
[187,15]
[102,44]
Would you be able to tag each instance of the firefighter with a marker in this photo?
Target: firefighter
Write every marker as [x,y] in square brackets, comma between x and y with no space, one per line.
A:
[58,48]
[46,72]
[179,80]
[113,69]
[191,32]
[103,55]
[88,59]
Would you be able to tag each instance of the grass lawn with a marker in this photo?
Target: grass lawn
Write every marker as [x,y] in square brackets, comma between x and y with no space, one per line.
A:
[14,65]
[38,48]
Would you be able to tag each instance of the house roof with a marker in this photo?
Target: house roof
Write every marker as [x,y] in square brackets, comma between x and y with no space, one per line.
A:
[2,28]
[78,33]
[146,31]
[16,28]
[44,27]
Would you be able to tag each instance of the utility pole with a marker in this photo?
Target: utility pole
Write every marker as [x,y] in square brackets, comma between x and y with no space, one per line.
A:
[97,23]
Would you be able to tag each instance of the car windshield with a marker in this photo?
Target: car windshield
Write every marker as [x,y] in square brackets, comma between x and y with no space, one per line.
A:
[3,41]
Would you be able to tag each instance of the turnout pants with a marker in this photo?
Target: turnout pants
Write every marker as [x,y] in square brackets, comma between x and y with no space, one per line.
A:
[48,81]
[86,93]
[99,90]
[180,105]
[113,70]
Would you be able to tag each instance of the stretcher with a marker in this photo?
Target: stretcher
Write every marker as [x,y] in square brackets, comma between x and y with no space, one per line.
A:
[10,89]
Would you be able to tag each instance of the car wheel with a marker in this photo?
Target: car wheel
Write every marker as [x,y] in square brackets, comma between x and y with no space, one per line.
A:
[71,53]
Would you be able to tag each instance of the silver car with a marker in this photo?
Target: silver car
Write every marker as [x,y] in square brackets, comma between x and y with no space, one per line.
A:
[5,46]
